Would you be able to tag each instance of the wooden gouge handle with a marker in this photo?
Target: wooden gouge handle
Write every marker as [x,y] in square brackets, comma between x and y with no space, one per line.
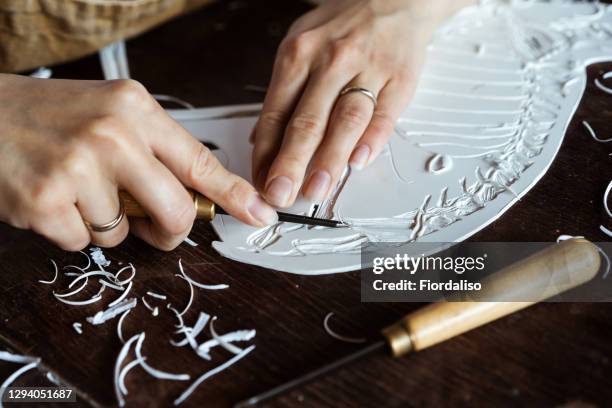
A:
[547,273]
[205,208]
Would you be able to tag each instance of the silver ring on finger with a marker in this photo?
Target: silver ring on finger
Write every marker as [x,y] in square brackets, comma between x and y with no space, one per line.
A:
[361,90]
[109,225]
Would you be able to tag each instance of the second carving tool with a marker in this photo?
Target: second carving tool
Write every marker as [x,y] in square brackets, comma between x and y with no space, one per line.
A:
[545,274]
[207,210]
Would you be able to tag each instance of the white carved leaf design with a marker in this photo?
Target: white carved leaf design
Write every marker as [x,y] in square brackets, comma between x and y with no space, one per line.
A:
[500,86]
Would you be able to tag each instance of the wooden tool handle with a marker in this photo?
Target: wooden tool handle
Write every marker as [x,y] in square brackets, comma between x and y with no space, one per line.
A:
[545,274]
[205,208]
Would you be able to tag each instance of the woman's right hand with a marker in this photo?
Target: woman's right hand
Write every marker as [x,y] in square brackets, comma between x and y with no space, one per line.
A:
[67,148]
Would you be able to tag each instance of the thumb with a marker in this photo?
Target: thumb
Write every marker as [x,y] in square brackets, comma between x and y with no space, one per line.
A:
[231,192]
[198,168]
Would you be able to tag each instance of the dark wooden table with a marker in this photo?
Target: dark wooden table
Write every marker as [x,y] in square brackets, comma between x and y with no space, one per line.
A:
[550,354]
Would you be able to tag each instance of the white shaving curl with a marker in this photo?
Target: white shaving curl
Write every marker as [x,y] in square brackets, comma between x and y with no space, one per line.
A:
[74,292]
[122,354]
[80,302]
[14,376]
[200,285]
[192,332]
[120,325]
[146,304]
[157,295]
[53,378]
[178,316]
[189,338]
[128,280]
[593,134]
[78,327]
[210,373]
[88,275]
[124,372]
[54,276]
[226,345]
[238,335]
[82,269]
[112,311]
[603,87]
[190,242]
[190,294]
[111,285]
[16,358]
[607,208]
[72,273]
[123,296]
[102,289]
[154,310]
[162,375]
[605,199]
[607,258]
[354,340]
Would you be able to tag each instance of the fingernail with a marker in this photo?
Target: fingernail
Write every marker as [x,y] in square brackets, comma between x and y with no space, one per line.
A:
[262,211]
[318,186]
[279,190]
[360,156]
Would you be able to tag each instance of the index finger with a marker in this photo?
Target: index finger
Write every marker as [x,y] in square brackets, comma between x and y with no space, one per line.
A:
[196,167]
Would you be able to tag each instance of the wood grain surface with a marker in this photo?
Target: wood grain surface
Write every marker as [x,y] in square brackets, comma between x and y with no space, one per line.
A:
[548,355]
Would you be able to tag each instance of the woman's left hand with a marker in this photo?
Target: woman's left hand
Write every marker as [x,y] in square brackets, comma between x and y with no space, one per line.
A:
[307,133]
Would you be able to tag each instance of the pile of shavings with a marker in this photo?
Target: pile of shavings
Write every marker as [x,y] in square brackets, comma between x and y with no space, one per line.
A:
[97,272]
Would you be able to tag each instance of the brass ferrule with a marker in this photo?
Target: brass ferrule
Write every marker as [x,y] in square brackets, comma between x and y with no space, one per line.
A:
[399,339]
[205,209]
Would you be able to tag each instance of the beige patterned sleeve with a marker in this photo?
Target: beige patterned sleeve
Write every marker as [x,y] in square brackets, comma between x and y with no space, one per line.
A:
[42,32]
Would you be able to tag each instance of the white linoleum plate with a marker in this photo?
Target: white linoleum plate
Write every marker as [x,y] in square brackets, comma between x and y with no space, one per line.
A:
[500,86]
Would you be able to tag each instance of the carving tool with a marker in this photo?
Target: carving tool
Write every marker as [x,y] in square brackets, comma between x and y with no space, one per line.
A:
[207,210]
[547,273]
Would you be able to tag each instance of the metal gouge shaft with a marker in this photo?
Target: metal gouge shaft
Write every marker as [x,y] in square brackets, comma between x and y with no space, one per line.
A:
[207,210]
[550,272]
